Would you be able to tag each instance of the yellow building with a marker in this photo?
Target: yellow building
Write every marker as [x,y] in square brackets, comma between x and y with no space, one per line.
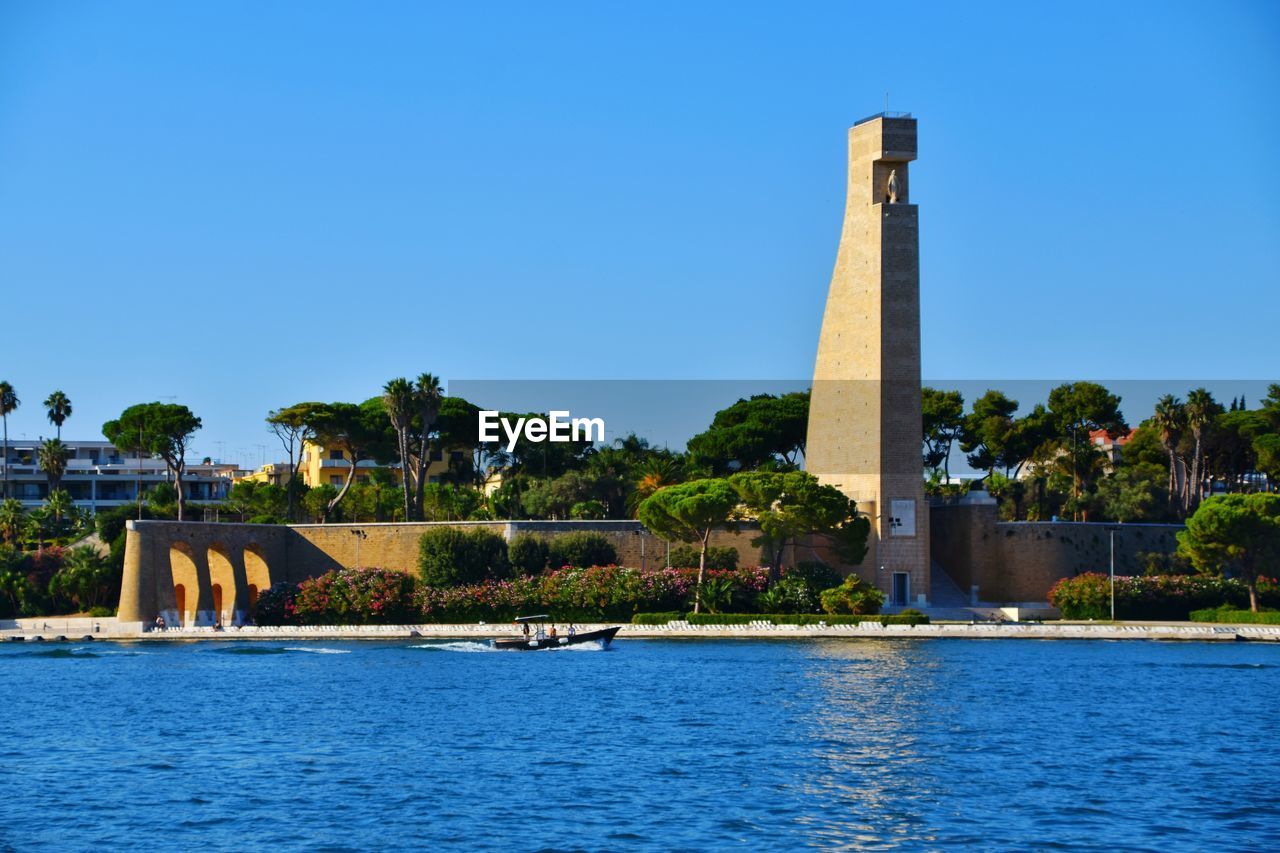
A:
[323,466]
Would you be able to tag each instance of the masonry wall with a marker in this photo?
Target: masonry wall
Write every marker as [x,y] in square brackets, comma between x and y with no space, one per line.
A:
[1021,561]
[195,572]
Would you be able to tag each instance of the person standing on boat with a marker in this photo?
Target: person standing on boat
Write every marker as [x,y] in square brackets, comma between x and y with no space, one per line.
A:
[572,630]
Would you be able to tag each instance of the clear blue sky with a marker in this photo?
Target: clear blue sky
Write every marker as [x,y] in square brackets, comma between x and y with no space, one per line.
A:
[244,205]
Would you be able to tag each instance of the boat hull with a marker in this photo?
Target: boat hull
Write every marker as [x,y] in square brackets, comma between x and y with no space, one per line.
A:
[520,644]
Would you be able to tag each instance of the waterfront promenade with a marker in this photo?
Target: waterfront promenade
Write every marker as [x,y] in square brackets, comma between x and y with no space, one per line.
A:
[110,629]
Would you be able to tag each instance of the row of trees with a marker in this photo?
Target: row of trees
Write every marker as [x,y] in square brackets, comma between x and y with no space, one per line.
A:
[1042,462]
[413,422]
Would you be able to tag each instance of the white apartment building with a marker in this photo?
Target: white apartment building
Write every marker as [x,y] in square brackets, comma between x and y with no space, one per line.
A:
[100,476]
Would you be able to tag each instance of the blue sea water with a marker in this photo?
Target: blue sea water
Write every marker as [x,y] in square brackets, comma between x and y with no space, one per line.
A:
[652,745]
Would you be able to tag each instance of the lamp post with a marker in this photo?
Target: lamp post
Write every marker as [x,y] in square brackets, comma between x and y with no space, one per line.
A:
[359,534]
[1112,531]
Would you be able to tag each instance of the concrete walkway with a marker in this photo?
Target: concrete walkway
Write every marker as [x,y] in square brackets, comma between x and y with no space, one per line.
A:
[108,629]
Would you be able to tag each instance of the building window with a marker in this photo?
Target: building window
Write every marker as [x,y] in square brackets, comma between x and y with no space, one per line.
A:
[362,479]
[436,454]
[335,479]
[455,456]
[336,455]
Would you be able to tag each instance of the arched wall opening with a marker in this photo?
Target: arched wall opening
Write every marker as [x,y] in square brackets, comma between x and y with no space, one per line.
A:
[222,578]
[186,585]
[257,574]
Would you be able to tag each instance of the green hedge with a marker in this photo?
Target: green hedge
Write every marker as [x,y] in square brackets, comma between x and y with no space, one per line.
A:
[1247,617]
[656,618]
[776,619]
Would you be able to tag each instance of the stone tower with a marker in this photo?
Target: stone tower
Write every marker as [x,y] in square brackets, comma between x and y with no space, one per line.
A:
[865,430]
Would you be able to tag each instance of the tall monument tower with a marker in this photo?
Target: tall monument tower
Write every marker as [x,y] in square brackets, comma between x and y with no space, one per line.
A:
[865,430]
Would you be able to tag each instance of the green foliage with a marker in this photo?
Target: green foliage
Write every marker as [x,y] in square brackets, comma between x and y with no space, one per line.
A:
[86,580]
[792,504]
[13,518]
[1135,492]
[854,596]
[589,510]
[58,408]
[994,438]
[253,500]
[14,586]
[656,618]
[1163,563]
[688,512]
[799,589]
[581,548]
[761,431]
[161,496]
[573,491]
[446,502]
[317,500]
[52,457]
[1236,535]
[718,594]
[1242,617]
[718,557]
[528,553]
[356,597]
[1267,449]
[449,556]
[158,429]
[943,421]
[277,605]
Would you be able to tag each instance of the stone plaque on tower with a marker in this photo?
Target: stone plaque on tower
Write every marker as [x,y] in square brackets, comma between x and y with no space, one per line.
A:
[865,429]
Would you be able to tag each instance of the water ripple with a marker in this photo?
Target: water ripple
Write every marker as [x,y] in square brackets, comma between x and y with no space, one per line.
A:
[867,745]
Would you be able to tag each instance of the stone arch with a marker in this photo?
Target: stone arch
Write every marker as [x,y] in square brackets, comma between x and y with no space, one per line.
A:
[186,585]
[257,574]
[222,585]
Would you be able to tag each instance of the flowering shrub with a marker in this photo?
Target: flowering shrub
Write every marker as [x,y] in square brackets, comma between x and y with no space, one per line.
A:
[489,601]
[356,597]
[277,605]
[1088,596]
[380,596]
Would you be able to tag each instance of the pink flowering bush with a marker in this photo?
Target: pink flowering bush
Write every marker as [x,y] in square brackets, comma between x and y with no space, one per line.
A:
[356,597]
[380,596]
[277,605]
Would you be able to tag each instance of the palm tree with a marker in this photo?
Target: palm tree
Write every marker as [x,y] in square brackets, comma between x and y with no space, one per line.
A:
[654,473]
[398,399]
[60,503]
[58,405]
[52,457]
[1171,419]
[8,402]
[427,395]
[12,520]
[1200,411]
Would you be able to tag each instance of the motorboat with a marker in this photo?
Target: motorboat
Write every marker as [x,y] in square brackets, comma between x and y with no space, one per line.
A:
[535,638]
